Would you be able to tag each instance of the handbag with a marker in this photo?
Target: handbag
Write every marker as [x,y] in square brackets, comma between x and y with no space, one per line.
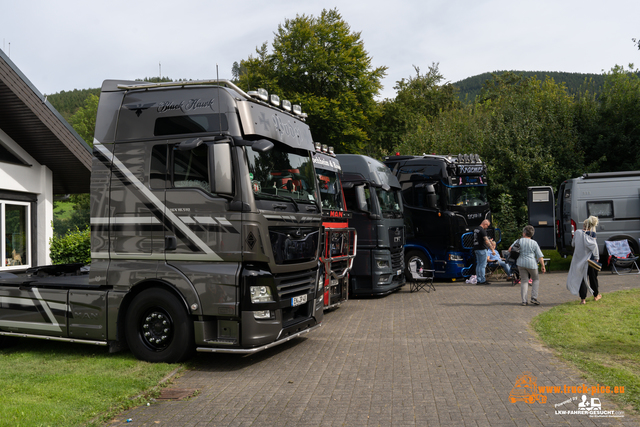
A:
[595,265]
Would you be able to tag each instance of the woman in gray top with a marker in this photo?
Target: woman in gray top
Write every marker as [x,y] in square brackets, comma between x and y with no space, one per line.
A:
[527,263]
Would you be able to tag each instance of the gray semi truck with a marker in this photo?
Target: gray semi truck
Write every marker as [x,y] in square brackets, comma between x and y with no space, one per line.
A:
[372,194]
[205,229]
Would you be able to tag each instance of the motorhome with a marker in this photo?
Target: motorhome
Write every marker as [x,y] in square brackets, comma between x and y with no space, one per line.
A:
[205,229]
[372,194]
[339,241]
[614,197]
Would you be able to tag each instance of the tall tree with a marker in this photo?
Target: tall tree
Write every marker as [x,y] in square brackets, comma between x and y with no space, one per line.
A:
[419,98]
[320,64]
[612,135]
[84,120]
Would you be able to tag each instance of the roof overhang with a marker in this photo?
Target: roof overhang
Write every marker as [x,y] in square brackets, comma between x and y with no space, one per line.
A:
[35,125]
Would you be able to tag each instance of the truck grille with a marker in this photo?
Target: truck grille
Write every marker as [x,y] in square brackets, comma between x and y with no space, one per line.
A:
[294,284]
[397,259]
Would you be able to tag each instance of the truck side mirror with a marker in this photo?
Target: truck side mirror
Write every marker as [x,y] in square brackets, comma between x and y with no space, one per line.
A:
[262,146]
[361,199]
[222,179]
[432,202]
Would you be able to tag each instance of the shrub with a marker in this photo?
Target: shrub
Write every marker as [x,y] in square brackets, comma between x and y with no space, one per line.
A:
[73,247]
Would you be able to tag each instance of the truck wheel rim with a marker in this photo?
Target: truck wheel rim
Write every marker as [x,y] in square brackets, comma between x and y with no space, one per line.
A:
[157,329]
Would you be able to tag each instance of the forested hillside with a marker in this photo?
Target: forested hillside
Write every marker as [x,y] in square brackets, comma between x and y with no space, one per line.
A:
[576,83]
[67,103]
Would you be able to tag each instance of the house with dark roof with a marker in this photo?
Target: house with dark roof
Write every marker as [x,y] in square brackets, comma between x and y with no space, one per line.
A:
[40,155]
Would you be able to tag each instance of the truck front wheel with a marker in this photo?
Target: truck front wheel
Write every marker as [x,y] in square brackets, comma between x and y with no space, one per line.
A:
[158,328]
[417,257]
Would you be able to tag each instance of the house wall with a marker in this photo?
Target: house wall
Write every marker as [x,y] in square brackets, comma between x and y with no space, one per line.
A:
[37,180]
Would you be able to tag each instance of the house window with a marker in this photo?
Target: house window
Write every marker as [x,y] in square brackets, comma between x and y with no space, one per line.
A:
[15,225]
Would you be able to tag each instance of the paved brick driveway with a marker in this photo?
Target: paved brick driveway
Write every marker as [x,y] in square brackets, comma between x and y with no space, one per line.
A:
[447,358]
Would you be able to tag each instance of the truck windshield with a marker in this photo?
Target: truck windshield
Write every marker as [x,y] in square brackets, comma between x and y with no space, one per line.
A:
[468,196]
[330,191]
[282,173]
[388,201]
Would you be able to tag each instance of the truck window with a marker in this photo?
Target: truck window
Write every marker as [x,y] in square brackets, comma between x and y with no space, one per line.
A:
[195,123]
[158,167]
[415,193]
[351,200]
[468,196]
[191,168]
[330,194]
[601,209]
[388,201]
[282,173]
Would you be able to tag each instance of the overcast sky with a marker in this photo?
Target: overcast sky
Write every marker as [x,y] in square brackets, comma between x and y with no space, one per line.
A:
[69,44]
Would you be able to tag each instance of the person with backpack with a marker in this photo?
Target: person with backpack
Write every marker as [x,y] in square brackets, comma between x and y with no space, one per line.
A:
[530,255]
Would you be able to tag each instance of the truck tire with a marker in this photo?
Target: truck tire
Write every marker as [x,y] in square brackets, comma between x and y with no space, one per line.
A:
[413,255]
[158,327]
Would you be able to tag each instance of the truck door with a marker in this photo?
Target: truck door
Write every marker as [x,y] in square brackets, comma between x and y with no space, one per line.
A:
[199,226]
[202,236]
[541,204]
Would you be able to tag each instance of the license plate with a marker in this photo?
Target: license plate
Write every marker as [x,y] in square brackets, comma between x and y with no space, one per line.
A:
[298,300]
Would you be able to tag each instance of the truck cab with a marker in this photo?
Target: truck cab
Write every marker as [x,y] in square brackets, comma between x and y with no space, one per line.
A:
[444,199]
[372,194]
[339,240]
[205,228]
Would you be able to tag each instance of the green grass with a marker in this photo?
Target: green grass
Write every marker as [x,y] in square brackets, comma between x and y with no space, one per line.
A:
[602,339]
[61,384]
[556,262]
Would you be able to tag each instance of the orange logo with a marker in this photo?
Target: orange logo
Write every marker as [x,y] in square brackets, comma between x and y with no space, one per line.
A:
[526,389]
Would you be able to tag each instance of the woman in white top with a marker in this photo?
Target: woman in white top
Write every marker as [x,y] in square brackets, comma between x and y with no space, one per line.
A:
[527,263]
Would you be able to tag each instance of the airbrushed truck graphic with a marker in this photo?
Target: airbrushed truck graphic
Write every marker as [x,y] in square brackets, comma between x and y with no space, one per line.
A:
[196,243]
[339,241]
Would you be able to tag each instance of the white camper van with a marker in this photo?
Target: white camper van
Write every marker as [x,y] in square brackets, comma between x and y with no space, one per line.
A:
[614,197]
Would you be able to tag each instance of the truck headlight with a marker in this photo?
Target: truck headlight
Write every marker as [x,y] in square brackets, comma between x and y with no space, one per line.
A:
[382,263]
[260,294]
[455,257]
[262,314]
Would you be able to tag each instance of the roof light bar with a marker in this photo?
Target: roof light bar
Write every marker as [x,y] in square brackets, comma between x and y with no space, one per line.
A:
[260,94]
[297,110]
[286,105]
[325,148]
[318,146]
[275,100]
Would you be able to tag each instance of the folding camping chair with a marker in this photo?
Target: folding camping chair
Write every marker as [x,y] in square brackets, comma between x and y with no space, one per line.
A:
[420,278]
[621,257]
[495,273]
